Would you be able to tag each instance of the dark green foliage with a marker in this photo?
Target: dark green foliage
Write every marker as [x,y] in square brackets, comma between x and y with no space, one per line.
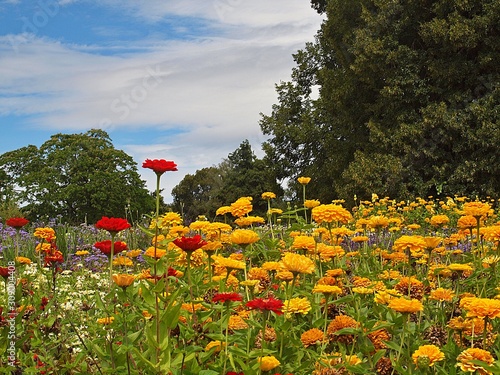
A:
[79,177]
[242,174]
[408,101]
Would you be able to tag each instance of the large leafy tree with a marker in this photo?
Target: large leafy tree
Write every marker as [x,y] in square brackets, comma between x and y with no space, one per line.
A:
[79,177]
[407,105]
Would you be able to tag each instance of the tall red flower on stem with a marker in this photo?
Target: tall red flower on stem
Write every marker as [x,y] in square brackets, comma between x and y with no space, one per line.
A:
[105,247]
[190,244]
[160,166]
[113,225]
[16,222]
[266,304]
[227,297]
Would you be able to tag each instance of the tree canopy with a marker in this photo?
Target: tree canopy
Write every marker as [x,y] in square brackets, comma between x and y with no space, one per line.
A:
[241,174]
[79,177]
[407,103]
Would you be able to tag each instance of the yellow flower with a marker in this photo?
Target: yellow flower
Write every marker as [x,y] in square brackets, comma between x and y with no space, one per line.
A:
[167,220]
[223,210]
[383,297]
[178,231]
[241,207]
[123,261]
[134,253]
[284,276]
[414,243]
[275,211]
[490,261]
[492,233]
[150,252]
[439,220]
[45,247]
[23,260]
[244,237]
[297,263]
[229,263]
[81,252]
[268,195]
[304,243]
[269,362]
[271,266]
[329,213]
[359,239]
[390,275]
[476,209]
[106,321]
[466,269]
[404,305]
[199,225]
[442,294]
[327,289]
[378,222]
[474,354]
[296,305]
[213,246]
[304,180]
[237,322]
[45,233]
[427,355]
[362,290]
[246,221]
[214,344]
[311,203]
[432,242]
[466,222]
[124,280]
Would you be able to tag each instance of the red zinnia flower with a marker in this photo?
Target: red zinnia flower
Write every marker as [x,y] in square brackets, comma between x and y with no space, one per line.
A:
[105,247]
[160,166]
[227,297]
[55,257]
[16,222]
[234,373]
[4,272]
[190,244]
[112,224]
[266,304]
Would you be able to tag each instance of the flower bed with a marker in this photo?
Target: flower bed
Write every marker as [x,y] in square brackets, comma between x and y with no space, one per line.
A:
[387,288]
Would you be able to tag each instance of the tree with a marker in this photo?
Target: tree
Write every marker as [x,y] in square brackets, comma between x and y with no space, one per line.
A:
[197,194]
[408,101]
[79,177]
[241,174]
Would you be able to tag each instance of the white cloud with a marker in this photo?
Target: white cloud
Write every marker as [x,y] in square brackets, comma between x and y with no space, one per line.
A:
[213,87]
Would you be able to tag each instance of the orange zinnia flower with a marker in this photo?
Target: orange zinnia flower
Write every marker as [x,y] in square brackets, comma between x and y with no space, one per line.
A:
[474,354]
[427,355]
[297,263]
[404,305]
[482,307]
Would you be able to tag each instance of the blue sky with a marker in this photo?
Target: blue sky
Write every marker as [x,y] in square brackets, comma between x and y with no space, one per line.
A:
[180,80]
